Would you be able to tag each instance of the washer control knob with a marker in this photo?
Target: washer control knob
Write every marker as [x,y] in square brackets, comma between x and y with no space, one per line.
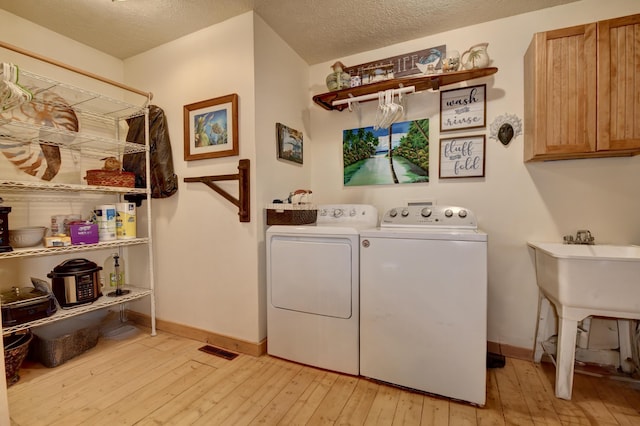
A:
[393,213]
[365,243]
[405,212]
[462,213]
[352,213]
[337,212]
[426,212]
[448,212]
[323,212]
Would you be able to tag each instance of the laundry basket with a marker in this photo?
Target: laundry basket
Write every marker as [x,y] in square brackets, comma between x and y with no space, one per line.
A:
[291,214]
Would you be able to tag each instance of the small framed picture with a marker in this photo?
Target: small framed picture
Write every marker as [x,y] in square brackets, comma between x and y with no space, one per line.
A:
[462,157]
[211,128]
[289,143]
[464,108]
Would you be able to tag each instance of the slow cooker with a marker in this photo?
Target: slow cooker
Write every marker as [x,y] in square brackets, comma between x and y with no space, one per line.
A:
[75,282]
[24,304]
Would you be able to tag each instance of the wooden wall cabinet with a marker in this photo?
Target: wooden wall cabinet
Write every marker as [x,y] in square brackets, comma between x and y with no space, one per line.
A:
[582,91]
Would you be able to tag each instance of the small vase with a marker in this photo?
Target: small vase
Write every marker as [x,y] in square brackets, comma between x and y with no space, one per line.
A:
[338,79]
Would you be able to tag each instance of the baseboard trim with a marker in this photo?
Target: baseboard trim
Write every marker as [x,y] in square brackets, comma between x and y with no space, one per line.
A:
[219,340]
[258,349]
[510,351]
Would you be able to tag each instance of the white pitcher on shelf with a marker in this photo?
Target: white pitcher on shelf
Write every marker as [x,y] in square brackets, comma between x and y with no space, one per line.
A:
[476,57]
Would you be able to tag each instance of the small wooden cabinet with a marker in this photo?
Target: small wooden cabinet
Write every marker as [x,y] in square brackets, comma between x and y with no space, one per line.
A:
[582,91]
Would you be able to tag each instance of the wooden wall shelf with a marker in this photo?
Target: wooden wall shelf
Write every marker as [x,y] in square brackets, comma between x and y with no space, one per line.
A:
[421,83]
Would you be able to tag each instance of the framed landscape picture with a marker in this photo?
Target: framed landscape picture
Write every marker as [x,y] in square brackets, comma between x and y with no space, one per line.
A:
[289,143]
[397,155]
[211,128]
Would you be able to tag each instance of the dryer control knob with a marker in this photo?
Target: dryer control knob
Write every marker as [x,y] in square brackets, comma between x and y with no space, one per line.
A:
[405,212]
[448,212]
[352,213]
[462,213]
[426,212]
[337,212]
[393,213]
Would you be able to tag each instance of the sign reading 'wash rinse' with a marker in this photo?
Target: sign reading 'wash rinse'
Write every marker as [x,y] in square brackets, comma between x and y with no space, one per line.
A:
[463,108]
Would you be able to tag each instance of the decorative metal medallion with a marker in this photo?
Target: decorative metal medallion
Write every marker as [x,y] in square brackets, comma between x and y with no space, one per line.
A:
[505,127]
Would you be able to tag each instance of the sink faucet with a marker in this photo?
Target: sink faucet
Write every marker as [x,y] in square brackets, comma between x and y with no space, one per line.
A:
[583,236]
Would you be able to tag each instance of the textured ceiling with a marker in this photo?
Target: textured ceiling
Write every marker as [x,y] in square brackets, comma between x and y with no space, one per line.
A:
[318,30]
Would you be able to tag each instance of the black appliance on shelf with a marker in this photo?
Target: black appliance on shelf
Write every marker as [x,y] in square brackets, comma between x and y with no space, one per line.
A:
[75,282]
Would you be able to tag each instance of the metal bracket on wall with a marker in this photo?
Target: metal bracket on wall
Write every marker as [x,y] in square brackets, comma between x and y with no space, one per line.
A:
[242,202]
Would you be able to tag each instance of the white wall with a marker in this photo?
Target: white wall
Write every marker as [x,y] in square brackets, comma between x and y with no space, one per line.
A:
[26,35]
[206,260]
[210,267]
[210,270]
[514,202]
[281,81]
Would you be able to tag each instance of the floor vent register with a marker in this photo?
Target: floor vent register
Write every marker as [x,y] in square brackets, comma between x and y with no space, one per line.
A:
[218,352]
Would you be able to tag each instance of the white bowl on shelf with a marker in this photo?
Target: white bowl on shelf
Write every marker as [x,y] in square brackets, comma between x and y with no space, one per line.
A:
[28,236]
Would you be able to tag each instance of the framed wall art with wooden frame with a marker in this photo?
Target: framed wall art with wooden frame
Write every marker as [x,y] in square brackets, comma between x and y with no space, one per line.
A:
[290,143]
[464,108]
[211,128]
[462,157]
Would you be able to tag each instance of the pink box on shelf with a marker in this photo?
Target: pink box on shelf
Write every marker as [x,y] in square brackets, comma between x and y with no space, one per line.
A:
[83,233]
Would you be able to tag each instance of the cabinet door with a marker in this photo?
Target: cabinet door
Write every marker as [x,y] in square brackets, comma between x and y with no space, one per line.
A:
[560,93]
[619,83]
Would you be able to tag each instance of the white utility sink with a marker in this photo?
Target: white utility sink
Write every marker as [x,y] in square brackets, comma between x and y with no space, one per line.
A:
[585,280]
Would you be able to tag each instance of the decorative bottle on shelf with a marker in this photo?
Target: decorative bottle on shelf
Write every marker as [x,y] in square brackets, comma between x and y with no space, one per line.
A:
[338,79]
[114,276]
[117,278]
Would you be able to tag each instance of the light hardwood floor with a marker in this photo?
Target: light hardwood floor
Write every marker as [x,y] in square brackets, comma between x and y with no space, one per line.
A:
[165,380]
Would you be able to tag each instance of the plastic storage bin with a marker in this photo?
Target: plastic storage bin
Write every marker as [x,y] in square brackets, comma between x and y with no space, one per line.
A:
[54,344]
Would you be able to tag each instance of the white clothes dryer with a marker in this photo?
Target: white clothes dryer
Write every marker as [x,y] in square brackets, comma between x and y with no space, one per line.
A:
[313,285]
[423,302]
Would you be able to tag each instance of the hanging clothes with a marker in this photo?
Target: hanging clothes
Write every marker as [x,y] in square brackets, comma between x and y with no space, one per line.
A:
[12,94]
[164,181]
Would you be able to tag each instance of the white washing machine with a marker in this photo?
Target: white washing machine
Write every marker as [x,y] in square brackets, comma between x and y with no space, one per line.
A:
[423,302]
[313,288]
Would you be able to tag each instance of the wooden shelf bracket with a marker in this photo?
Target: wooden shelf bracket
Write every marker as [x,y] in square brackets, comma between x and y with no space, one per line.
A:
[242,202]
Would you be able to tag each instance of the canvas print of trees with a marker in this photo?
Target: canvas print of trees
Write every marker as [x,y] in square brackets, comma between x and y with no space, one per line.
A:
[399,154]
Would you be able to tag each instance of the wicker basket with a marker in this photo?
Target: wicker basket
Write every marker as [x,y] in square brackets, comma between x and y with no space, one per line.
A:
[14,356]
[291,216]
[111,178]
